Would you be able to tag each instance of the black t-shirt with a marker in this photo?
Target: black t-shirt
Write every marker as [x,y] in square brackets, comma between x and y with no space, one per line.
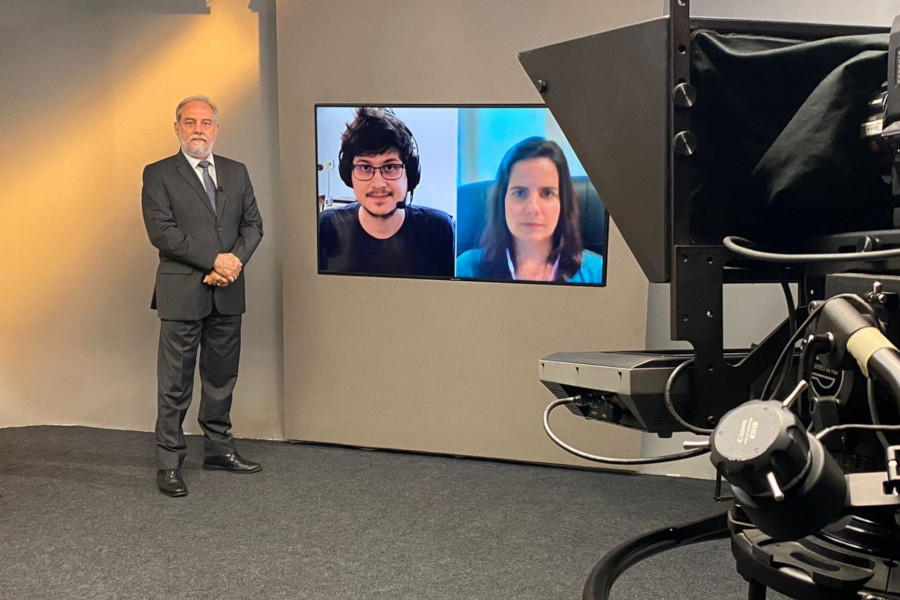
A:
[422,246]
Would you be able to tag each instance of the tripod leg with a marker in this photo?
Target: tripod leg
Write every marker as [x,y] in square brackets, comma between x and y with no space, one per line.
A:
[617,561]
[757,591]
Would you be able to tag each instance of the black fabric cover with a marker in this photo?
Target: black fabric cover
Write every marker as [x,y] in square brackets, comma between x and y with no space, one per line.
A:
[777,120]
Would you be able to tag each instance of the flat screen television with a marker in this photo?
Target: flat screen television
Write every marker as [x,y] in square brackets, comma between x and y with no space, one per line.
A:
[444,207]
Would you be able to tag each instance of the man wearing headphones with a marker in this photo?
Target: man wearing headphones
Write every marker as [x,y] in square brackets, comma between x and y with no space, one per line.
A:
[382,233]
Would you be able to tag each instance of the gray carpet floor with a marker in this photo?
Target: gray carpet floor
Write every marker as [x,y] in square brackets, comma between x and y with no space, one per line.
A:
[80,518]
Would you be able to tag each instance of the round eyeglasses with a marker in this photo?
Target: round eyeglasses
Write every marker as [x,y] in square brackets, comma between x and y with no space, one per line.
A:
[390,171]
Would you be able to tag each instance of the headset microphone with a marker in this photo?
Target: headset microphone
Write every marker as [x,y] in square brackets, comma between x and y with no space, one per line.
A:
[403,203]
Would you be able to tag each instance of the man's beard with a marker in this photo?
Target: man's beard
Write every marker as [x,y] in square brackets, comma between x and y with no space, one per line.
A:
[384,216]
[196,151]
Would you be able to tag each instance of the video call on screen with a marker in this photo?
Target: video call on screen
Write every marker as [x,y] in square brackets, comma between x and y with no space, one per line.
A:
[490,201]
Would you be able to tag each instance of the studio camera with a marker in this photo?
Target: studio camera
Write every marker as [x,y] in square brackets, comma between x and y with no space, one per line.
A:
[734,152]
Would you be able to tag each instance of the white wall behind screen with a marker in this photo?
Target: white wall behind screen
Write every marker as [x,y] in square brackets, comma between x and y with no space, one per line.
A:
[877,13]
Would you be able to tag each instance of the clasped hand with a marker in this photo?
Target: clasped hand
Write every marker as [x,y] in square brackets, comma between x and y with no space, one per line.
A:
[226,269]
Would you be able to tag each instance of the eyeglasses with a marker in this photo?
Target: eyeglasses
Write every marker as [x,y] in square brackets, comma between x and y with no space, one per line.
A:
[390,171]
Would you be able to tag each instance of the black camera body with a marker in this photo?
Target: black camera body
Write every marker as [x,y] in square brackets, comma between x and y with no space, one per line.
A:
[732,152]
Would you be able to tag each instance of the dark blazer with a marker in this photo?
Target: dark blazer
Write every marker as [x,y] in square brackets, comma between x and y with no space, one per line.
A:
[181,223]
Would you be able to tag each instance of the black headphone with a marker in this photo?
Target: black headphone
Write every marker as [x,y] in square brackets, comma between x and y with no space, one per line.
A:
[411,163]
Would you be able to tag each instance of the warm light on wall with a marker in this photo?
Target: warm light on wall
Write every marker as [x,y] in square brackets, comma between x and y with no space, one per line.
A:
[70,191]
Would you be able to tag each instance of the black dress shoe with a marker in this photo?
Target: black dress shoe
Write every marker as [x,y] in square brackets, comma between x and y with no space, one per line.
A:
[170,483]
[231,462]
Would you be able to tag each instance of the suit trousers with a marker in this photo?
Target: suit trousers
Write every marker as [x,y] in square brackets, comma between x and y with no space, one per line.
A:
[218,339]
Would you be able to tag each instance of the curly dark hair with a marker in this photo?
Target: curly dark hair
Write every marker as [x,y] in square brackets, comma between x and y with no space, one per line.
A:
[373,131]
[496,238]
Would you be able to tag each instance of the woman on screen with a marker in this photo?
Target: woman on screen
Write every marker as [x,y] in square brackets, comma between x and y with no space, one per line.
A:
[533,231]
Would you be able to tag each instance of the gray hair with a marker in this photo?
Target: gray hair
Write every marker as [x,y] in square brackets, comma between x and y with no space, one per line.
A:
[203,99]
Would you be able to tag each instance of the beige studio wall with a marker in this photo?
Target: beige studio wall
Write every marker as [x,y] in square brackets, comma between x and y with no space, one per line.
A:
[433,366]
[88,96]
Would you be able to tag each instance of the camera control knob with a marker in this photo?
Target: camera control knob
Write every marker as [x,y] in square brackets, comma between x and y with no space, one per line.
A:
[760,443]
[780,475]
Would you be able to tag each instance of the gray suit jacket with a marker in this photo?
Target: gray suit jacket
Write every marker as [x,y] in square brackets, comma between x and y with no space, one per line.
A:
[189,234]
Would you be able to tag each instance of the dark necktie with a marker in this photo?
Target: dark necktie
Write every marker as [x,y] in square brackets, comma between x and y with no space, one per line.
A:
[208,183]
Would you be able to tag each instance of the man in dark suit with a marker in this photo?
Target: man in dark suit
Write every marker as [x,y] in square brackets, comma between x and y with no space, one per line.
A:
[200,212]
